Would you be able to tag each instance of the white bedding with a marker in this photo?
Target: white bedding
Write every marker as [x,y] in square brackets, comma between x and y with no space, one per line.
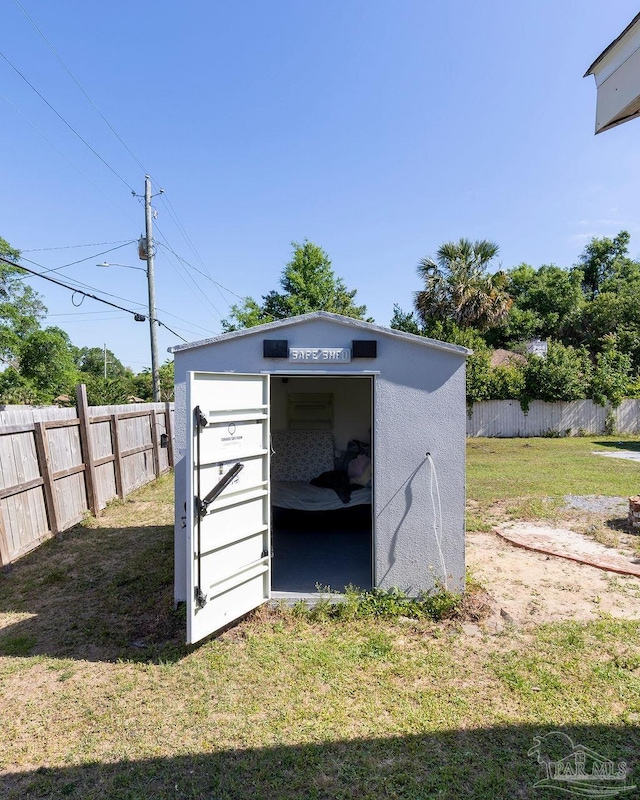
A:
[305,497]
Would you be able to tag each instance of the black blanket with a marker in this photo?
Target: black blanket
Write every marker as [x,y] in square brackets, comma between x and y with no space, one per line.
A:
[336,479]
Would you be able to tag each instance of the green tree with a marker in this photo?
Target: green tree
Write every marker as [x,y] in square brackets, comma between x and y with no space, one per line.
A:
[458,288]
[600,259]
[245,315]
[47,362]
[15,389]
[21,308]
[547,302]
[112,391]
[507,382]
[611,374]
[405,321]
[91,360]
[308,283]
[143,383]
[564,374]
[615,311]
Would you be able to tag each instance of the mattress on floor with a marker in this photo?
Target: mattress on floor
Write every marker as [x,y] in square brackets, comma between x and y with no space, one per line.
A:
[305,497]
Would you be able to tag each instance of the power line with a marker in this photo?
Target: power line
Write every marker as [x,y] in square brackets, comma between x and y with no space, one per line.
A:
[80,313]
[76,246]
[85,294]
[68,160]
[90,316]
[72,319]
[88,258]
[65,285]
[59,115]
[202,296]
[174,216]
[82,89]
[81,283]
[117,297]
[195,269]
[170,208]
[188,322]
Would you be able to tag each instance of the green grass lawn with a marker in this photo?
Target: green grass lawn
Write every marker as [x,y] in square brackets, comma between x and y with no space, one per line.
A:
[99,698]
[500,469]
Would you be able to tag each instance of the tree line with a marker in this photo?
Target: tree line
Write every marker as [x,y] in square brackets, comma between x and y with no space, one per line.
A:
[588,314]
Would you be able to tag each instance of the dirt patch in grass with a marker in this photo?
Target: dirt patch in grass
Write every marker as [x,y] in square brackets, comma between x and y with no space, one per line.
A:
[530,588]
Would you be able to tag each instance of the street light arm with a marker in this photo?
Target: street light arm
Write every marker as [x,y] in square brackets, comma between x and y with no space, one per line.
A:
[126,266]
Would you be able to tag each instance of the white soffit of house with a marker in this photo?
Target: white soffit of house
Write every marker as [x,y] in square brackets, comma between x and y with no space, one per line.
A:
[617,75]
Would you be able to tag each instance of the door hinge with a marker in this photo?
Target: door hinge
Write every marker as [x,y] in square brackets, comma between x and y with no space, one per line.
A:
[265,553]
[201,420]
[201,599]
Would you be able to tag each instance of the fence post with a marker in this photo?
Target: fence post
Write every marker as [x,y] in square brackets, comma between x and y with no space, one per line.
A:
[117,463]
[5,559]
[168,428]
[42,449]
[155,441]
[87,449]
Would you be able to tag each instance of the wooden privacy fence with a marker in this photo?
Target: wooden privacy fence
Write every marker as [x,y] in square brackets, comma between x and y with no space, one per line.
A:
[54,470]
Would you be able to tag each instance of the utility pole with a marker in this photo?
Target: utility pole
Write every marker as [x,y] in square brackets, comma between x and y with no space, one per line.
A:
[105,361]
[155,374]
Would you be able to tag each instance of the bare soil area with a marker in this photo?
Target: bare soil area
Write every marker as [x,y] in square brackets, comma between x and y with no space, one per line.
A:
[527,587]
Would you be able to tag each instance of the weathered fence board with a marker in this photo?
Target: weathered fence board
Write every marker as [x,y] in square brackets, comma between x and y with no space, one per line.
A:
[22,415]
[105,482]
[57,464]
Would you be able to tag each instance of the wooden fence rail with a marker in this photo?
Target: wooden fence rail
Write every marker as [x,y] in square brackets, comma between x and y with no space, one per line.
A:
[54,471]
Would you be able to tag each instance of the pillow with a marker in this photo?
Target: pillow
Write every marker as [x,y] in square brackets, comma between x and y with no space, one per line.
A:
[300,455]
[359,470]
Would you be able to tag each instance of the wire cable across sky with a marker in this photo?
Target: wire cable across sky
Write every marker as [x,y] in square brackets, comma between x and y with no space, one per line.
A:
[84,294]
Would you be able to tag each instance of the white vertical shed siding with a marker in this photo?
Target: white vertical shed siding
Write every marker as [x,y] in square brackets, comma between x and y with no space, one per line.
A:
[419,407]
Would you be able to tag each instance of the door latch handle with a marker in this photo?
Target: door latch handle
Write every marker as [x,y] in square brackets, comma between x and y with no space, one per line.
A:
[203,505]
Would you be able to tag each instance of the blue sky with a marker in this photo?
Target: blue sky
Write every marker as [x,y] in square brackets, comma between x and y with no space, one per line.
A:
[376,129]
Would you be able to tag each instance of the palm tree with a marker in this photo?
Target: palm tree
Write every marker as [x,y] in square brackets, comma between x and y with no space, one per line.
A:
[457,287]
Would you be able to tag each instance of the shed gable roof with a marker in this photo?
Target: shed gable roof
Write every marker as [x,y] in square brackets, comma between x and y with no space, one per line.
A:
[352,324]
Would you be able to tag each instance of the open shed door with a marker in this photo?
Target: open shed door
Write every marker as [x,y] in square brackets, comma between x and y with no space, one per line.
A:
[228,510]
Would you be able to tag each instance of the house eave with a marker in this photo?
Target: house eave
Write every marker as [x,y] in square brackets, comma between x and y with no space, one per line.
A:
[611,46]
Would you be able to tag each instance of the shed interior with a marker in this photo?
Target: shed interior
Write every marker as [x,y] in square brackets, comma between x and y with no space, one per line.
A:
[318,539]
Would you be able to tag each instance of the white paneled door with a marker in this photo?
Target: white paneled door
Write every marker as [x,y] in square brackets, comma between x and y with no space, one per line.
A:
[228,510]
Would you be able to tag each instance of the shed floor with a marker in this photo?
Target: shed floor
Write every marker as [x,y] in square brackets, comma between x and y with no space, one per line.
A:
[303,559]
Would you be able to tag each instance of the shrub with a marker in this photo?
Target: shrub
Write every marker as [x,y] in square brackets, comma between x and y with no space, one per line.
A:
[563,375]
[610,378]
[507,382]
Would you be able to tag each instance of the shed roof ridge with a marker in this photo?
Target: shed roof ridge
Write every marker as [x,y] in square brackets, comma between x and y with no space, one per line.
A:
[347,321]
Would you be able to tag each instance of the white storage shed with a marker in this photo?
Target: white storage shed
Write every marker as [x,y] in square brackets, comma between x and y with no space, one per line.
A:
[311,452]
